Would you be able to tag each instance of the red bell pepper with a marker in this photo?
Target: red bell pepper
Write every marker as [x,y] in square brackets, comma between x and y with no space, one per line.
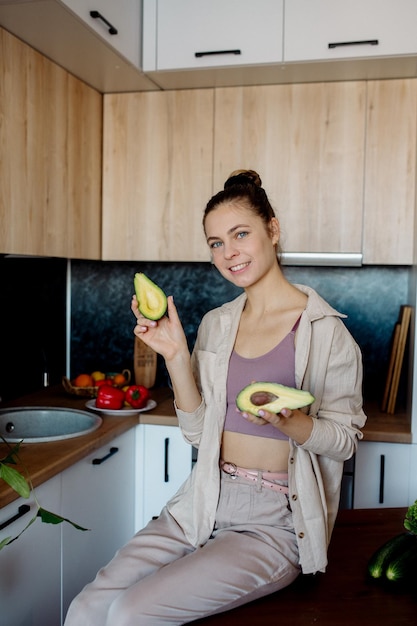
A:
[137,396]
[105,381]
[110,398]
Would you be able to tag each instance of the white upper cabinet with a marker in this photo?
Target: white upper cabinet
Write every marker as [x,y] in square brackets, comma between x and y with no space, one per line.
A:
[337,29]
[195,34]
[118,23]
[65,32]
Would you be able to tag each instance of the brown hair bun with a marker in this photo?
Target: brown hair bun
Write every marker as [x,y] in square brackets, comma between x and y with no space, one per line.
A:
[243,177]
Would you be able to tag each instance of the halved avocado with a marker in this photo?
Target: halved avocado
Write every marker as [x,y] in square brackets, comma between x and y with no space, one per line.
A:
[272,397]
[152,301]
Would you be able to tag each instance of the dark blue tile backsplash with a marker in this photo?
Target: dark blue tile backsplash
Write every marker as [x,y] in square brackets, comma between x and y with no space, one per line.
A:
[102,323]
[33,312]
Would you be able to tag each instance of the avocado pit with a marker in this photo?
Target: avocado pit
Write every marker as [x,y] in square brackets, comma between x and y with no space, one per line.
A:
[260,398]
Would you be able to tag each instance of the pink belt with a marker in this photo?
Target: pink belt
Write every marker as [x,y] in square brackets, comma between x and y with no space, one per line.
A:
[263,478]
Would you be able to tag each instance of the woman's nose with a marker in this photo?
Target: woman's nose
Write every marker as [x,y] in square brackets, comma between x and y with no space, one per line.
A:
[230,250]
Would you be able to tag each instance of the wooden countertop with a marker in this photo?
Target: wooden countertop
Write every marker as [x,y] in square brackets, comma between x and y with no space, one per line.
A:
[380,426]
[343,596]
[45,460]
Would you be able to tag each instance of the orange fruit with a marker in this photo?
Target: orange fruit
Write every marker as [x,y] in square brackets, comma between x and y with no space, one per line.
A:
[83,380]
[119,379]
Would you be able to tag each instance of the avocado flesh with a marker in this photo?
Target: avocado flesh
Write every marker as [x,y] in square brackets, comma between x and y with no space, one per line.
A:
[152,301]
[271,397]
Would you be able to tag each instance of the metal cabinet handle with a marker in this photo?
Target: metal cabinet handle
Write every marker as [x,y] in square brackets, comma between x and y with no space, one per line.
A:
[166,455]
[381,478]
[21,511]
[107,456]
[369,42]
[213,52]
[99,16]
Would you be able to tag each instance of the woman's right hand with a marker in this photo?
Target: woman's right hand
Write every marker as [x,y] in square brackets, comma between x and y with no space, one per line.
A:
[166,336]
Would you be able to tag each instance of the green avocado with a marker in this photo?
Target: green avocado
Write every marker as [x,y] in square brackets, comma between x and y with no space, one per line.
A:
[272,397]
[152,301]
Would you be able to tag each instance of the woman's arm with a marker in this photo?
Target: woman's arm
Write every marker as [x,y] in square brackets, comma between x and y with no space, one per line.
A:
[167,337]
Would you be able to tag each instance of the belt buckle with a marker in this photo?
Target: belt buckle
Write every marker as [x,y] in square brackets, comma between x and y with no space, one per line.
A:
[230,468]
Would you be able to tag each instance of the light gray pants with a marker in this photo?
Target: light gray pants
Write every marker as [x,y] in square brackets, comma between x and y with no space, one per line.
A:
[158,578]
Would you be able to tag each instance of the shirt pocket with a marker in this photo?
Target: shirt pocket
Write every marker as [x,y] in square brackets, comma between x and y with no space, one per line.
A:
[207,369]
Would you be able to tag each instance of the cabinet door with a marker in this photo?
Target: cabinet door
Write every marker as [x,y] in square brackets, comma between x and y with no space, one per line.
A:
[382,475]
[50,150]
[157,175]
[123,16]
[390,166]
[164,464]
[198,34]
[30,567]
[97,493]
[307,143]
[336,29]
[413,475]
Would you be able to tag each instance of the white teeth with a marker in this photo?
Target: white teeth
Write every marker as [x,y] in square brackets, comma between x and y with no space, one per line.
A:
[236,268]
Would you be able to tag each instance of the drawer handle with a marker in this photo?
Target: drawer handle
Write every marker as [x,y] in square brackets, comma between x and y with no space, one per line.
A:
[213,52]
[166,455]
[21,511]
[104,458]
[99,16]
[381,478]
[369,42]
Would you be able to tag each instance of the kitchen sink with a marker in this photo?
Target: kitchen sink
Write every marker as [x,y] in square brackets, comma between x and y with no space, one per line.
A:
[44,423]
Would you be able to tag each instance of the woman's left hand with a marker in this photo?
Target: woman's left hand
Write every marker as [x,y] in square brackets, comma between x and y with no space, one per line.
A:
[292,422]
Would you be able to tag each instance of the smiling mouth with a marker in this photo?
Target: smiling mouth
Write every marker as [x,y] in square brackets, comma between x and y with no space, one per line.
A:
[237,268]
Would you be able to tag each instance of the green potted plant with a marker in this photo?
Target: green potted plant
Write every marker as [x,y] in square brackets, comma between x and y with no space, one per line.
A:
[21,483]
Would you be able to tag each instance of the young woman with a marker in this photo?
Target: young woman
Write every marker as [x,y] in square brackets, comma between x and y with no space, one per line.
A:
[260,504]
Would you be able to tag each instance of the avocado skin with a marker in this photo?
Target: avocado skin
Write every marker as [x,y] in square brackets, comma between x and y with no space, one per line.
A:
[152,301]
[287,398]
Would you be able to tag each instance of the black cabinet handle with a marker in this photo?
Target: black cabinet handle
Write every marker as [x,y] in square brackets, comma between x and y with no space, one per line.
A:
[21,511]
[369,42]
[381,478]
[107,456]
[99,16]
[213,52]
[166,454]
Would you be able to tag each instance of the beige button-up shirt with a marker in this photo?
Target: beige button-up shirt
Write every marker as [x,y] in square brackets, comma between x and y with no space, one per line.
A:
[328,363]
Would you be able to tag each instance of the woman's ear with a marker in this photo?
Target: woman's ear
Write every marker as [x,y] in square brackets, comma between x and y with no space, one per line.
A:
[275,231]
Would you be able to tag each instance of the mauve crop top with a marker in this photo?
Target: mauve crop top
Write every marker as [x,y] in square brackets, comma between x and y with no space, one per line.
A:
[276,366]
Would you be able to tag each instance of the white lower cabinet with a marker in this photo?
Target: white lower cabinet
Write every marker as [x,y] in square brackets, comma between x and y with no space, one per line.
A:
[30,567]
[382,475]
[98,492]
[164,461]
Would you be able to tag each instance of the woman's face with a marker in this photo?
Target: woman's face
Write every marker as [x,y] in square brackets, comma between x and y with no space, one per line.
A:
[242,249]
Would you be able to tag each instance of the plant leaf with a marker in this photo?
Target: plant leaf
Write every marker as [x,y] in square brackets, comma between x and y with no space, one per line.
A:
[15,480]
[53,518]
[8,540]
[13,452]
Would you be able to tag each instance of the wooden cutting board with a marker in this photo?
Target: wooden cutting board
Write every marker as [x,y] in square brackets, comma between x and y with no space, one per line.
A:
[144,364]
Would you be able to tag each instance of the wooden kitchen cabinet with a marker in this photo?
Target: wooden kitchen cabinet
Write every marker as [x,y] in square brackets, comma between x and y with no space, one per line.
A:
[307,142]
[98,493]
[164,461]
[335,29]
[390,170]
[157,174]
[30,568]
[50,149]
[382,475]
[195,34]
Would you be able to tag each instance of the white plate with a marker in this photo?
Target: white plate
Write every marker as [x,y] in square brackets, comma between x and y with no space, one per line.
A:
[125,412]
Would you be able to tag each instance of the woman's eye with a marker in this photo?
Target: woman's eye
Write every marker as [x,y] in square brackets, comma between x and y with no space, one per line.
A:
[242,234]
[216,244]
